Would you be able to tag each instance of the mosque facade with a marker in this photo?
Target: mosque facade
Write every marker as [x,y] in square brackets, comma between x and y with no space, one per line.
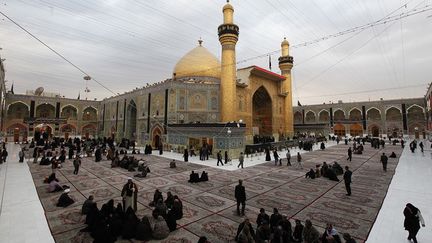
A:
[226,106]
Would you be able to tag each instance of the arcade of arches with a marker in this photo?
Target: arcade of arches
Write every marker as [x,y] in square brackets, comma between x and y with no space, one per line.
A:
[262,112]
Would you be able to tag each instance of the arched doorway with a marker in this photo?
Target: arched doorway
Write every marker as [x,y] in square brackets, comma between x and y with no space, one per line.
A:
[156,137]
[262,112]
[17,131]
[43,130]
[356,130]
[339,130]
[88,131]
[68,130]
[374,131]
[131,116]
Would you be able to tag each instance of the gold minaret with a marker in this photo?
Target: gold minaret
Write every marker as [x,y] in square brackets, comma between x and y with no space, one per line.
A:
[228,35]
[285,65]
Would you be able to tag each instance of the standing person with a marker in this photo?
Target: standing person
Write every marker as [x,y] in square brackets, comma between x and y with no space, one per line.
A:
[240,195]
[288,156]
[21,155]
[347,180]
[129,195]
[402,143]
[421,146]
[412,221]
[349,154]
[76,164]
[298,230]
[299,160]
[186,155]
[226,157]
[219,158]
[384,160]
[276,157]
[4,154]
[241,160]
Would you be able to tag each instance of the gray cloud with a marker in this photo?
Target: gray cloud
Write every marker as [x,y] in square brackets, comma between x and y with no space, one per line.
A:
[126,44]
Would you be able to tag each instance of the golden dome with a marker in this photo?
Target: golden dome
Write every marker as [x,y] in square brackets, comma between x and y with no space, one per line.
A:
[285,42]
[228,6]
[199,62]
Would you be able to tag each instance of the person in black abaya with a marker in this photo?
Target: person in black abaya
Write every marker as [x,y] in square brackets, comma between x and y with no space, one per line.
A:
[98,155]
[412,221]
[64,199]
[143,230]
[169,201]
[107,209]
[102,233]
[267,152]
[171,221]
[129,224]
[177,209]
[331,174]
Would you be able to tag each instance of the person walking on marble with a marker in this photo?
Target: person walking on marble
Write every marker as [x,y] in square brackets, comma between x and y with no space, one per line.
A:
[219,158]
[412,221]
[299,160]
[276,157]
[241,160]
[349,154]
[288,156]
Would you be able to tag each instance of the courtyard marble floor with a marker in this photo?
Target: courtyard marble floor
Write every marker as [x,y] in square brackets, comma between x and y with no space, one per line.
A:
[209,207]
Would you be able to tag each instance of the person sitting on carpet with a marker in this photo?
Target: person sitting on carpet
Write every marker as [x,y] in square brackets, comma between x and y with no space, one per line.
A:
[169,201]
[87,205]
[330,235]
[310,174]
[392,155]
[156,197]
[332,175]
[204,176]
[129,224]
[64,199]
[173,164]
[160,228]
[337,168]
[50,178]
[177,208]
[193,177]
[324,169]
[54,186]
[143,230]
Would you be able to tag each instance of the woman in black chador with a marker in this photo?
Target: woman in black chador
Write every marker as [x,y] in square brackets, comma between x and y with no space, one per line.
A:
[412,221]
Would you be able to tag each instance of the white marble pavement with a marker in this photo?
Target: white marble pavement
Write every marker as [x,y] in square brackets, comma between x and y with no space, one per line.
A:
[248,162]
[411,183]
[22,218]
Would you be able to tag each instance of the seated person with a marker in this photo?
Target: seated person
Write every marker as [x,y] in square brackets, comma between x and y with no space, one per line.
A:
[156,197]
[64,199]
[54,186]
[337,168]
[87,205]
[331,174]
[45,161]
[324,169]
[317,171]
[173,164]
[177,208]
[143,174]
[194,177]
[310,174]
[392,155]
[115,162]
[50,178]
[204,176]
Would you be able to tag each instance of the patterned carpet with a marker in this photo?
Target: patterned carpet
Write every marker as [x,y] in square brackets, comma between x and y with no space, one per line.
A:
[209,207]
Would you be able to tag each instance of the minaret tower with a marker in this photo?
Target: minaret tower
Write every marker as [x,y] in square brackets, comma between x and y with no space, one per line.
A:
[228,35]
[285,65]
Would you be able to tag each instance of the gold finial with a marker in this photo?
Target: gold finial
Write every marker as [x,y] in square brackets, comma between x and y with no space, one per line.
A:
[200,41]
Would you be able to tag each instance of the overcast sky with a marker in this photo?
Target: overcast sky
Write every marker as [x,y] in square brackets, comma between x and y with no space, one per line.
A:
[127,43]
